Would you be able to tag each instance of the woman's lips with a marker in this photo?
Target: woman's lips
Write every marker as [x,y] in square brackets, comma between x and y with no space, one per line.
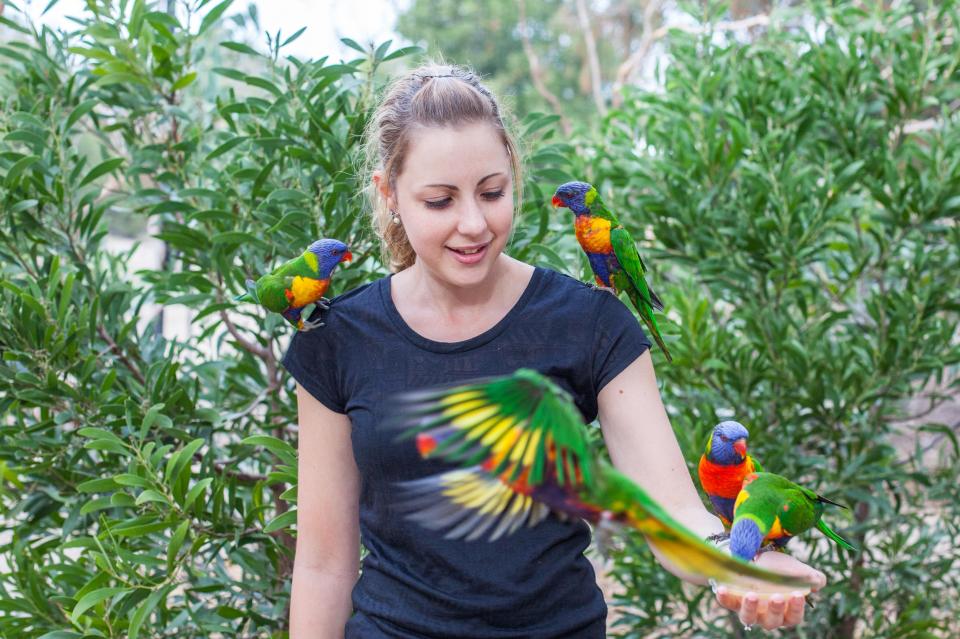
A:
[469,257]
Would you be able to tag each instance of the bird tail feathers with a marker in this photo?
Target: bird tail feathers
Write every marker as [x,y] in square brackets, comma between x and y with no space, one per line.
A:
[840,541]
[250,295]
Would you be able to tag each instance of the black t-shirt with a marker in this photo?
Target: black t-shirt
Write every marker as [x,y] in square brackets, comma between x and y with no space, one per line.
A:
[415,583]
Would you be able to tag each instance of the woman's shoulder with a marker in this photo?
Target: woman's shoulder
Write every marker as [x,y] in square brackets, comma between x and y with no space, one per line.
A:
[351,307]
[569,291]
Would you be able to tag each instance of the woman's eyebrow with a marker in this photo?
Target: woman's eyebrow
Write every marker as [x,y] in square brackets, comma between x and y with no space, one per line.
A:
[454,188]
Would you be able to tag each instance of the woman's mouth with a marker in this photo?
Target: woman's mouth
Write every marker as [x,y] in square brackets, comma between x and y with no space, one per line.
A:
[469,254]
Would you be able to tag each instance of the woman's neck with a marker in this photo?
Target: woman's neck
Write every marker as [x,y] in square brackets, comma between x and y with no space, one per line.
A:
[427,291]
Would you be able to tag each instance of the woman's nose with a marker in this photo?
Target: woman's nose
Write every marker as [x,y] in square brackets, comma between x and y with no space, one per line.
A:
[472,220]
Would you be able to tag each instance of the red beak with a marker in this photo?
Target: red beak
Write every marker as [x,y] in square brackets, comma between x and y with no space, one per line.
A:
[741,447]
[556,201]
[347,256]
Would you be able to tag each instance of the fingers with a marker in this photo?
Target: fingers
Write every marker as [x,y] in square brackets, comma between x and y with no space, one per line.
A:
[817,579]
[775,612]
[795,610]
[749,609]
[727,599]
[773,618]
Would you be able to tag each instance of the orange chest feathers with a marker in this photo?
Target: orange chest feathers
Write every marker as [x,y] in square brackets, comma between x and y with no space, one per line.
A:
[593,233]
[723,481]
[306,290]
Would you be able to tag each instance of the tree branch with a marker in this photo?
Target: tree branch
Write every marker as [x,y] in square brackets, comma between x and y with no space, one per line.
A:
[536,71]
[121,355]
[650,35]
[593,60]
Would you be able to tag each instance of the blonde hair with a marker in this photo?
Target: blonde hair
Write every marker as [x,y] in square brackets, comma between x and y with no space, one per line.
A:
[433,95]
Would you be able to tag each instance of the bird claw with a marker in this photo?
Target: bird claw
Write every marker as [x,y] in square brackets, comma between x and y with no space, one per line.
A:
[718,537]
[323,303]
[309,326]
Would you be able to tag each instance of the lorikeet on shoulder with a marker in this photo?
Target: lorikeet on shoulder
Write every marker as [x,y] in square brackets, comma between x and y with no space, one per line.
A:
[299,283]
[773,509]
[523,453]
[612,252]
[724,465]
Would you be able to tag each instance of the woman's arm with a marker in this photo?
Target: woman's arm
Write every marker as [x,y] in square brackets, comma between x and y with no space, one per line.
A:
[646,450]
[328,538]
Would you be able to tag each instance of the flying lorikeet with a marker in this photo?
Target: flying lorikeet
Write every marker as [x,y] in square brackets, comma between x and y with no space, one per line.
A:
[723,467]
[611,250]
[296,285]
[771,508]
[522,452]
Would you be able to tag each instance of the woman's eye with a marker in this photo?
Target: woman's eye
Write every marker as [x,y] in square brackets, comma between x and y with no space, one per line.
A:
[437,204]
[493,195]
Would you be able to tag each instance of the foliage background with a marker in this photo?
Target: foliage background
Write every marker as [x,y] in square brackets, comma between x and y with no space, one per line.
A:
[796,191]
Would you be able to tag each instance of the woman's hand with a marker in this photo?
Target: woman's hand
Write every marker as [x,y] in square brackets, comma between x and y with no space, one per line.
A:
[776,611]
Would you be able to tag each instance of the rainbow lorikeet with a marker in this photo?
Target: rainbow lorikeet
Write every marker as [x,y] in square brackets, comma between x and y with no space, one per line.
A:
[523,452]
[724,465]
[611,251]
[299,283]
[773,509]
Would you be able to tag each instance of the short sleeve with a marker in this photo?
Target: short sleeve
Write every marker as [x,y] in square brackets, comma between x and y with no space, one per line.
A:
[620,340]
[311,359]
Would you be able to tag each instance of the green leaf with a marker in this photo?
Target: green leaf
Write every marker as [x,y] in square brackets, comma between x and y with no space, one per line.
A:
[195,491]
[149,495]
[402,52]
[280,522]
[142,612]
[78,112]
[296,35]
[213,15]
[226,146]
[277,446]
[91,599]
[101,169]
[353,45]
[240,47]
[185,81]
[97,485]
[19,167]
[176,541]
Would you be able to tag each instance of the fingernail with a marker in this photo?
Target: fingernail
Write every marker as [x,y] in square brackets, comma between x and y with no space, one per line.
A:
[777,599]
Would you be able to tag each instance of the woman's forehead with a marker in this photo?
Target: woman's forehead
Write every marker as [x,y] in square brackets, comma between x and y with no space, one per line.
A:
[460,156]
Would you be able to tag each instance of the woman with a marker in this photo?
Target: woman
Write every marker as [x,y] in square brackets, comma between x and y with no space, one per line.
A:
[445,180]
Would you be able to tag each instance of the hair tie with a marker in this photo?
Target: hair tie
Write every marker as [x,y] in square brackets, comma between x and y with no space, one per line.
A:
[439,75]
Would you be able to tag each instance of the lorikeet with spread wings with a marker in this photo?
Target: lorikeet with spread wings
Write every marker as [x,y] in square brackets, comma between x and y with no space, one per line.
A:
[773,509]
[724,465]
[523,452]
[299,283]
[612,252]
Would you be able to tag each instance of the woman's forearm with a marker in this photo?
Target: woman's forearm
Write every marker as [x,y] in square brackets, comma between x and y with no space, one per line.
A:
[700,522]
[320,603]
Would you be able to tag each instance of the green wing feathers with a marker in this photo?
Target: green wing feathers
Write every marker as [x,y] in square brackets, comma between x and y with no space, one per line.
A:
[523,450]
[840,541]
[272,292]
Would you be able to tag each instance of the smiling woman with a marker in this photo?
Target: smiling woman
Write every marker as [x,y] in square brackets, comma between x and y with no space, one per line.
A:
[444,178]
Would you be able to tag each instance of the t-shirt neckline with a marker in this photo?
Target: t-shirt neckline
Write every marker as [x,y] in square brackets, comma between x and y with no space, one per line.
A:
[453,347]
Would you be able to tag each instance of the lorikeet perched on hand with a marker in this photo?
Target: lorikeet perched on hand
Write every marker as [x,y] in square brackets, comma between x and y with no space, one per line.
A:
[771,508]
[724,465]
[611,250]
[523,453]
[297,284]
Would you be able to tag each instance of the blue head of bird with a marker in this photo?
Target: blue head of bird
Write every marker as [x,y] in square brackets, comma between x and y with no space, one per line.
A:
[329,253]
[728,443]
[576,196]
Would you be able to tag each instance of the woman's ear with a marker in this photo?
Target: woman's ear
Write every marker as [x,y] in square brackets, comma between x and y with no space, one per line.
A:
[384,188]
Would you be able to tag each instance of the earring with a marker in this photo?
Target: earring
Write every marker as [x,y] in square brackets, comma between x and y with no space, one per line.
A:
[394,217]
